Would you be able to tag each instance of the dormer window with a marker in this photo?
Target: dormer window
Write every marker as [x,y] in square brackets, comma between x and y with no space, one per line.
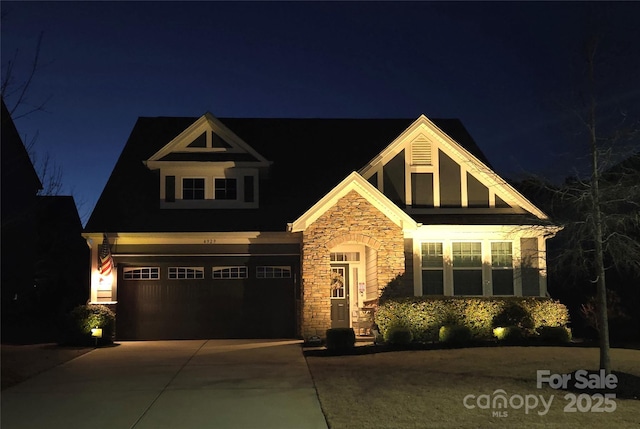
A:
[207,166]
[193,189]
[237,189]
[226,189]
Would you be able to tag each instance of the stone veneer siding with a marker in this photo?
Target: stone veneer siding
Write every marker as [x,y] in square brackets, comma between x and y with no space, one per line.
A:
[351,220]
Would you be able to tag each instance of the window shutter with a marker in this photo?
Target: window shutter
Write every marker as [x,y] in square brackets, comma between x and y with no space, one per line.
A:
[248,189]
[170,189]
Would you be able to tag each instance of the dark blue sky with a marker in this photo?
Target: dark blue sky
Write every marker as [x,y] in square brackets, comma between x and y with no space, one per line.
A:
[507,70]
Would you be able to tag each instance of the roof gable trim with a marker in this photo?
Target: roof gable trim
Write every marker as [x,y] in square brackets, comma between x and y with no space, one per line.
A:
[423,129]
[183,142]
[354,182]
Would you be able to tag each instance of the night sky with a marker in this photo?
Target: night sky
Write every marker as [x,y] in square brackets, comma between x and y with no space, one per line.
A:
[509,71]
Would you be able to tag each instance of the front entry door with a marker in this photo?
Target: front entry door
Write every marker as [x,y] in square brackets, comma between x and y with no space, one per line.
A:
[340,296]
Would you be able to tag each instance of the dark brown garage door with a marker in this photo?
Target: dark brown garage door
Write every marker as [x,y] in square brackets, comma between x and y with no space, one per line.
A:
[198,309]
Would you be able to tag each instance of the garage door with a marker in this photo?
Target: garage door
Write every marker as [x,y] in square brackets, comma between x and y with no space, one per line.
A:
[206,308]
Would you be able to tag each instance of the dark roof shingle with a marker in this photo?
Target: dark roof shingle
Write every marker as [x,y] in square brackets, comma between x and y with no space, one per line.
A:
[310,157]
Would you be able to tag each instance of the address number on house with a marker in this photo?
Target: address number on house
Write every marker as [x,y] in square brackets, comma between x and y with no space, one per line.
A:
[209,241]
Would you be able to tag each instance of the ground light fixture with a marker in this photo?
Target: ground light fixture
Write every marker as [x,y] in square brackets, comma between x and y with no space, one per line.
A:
[96,333]
[499,333]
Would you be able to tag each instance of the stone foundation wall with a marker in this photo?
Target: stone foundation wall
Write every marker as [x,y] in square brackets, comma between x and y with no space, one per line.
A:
[352,219]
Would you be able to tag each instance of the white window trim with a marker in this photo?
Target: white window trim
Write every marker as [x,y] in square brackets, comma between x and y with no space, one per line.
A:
[209,201]
[196,270]
[182,179]
[242,269]
[486,268]
[239,188]
[512,267]
[485,282]
[283,270]
[440,268]
[126,270]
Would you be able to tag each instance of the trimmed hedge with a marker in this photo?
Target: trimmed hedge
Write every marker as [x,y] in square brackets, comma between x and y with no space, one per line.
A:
[554,334]
[514,314]
[454,334]
[424,316]
[509,334]
[398,335]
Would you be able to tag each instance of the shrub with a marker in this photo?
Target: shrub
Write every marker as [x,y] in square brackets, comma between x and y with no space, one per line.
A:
[399,336]
[454,334]
[554,334]
[341,339]
[509,334]
[83,318]
[513,314]
[546,312]
[398,287]
[424,316]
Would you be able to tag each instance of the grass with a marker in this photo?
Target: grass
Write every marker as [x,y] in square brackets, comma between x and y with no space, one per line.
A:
[20,362]
[426,388]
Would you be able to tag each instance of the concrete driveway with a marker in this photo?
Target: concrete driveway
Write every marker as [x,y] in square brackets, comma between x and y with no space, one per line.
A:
[171,384]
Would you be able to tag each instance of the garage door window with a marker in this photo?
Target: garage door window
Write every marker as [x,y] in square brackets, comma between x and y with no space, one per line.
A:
[176,273]
[141,273]
[230,272]
[270,272]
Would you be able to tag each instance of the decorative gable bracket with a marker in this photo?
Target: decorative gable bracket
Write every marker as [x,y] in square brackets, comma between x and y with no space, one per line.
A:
[209,141]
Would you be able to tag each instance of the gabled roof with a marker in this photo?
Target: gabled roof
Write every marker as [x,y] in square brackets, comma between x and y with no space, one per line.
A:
[309,158]
[16,164]
[426,130]
[355,182]
[442,131]
[231,148]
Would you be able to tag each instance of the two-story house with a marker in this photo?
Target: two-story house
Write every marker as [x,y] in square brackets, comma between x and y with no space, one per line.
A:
[238,227]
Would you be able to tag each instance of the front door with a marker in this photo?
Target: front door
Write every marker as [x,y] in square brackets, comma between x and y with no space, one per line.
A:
[340,296]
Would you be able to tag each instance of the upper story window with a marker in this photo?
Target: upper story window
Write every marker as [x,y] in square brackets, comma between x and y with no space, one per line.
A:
[226,189]
[193,189]
[207,166]
[202,189]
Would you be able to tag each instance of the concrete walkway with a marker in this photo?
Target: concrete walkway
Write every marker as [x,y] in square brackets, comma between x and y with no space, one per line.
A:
[171,384]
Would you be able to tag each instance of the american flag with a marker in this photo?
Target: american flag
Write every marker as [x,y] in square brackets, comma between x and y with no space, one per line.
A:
[105,261]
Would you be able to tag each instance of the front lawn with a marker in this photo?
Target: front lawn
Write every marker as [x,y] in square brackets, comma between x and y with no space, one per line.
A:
[427,388]
[21,362]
